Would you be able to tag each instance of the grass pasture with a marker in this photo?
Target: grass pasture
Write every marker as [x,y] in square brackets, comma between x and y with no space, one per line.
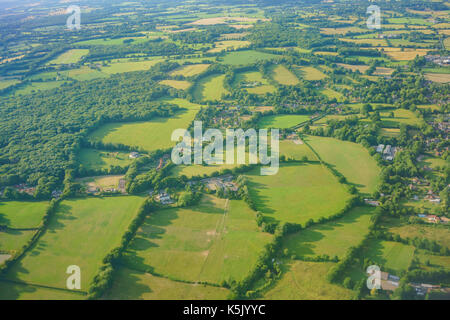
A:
[22,214]
[190,70]
[8,83]
[177,84]
[297,193]
[134,285]
[16,291]
[393,257]
[333,238]
[13,240]
[253,82]
[101,160]
[307,281]
[247,57]
[228,45]
[296,151]
[32,87]
[148,135]
[210,88]
[69,239]
[350,159]
[70,56]
[312,74]
[129,66]
[213,241]
[283,76]
[282,121]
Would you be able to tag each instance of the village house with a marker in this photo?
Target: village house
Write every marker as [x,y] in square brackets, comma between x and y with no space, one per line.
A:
[372,202]
[134,155]
[164,198]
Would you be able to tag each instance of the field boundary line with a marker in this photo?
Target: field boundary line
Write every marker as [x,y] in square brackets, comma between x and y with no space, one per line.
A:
[79,292]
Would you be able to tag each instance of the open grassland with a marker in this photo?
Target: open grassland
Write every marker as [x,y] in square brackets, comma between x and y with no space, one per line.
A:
[370,42]
[210,88]
[247,57]
[22,214]
[13,240]
[70,56]
[431,261]
[38,86]
[190,70]
[253,82]
[341,31]
[311,73]
[213,241]
[148,135]
[8,83]
[114,41]
[390,256]
[432,232]
[177,84]
[360,68]
[297,193]
[134,285]
[390,132]
[291,149]
[81,233]
[401,116]
[343,155]
[129,66]
[282,121]
[84,73]
[307,281]
[433,162]
[332,94]
[405,55]
[101,182]
[16,291]
[228,45]
[97,159]
[283,76]
[438,77]
[333,238]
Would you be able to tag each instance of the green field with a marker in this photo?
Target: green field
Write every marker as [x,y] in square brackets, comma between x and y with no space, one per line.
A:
[134,285]
[343,155]
[210,88]
[177,84]
[22,214]
[332,94]
[401,116]
[84,73]
[283,76]
[129,66]
[333,238]
[100,160]
[190,70]
[432,232]
[247,57]
[70,56]
[391,256]
[296,151]
[7,83]
[14,240]
[282,121]
[307,281]
[14,291]
[253,82]
[69,240]
[38,86]
[213,241]
[148,135]
[312,74]
[297,193]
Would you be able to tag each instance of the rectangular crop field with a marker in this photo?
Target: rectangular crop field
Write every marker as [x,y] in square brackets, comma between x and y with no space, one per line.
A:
[22,214]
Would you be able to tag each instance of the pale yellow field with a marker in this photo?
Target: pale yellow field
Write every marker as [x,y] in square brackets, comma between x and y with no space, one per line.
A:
[283,76]
[222,20]
[438,77]
[177,84]
[190,70]
[406,55]
[372,42]
[361,68]
[312,74]
[343,31]
[229,44]
[381,71]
